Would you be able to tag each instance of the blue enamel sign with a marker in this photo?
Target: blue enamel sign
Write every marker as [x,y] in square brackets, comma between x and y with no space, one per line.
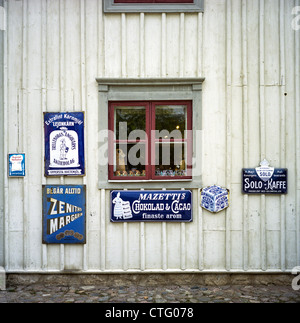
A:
[265,180]
[214,198]
[64,213]
[64,144]
[16,165]
[151,206]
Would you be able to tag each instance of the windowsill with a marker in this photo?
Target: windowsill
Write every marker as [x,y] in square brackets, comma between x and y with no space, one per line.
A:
[111,7]
[150,180]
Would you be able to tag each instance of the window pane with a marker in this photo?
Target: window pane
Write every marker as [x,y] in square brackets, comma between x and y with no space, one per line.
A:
[170,159]
[130,120]
[170,121]
[130,159]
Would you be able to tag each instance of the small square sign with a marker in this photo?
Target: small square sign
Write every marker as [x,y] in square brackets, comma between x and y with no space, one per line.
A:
[16,165]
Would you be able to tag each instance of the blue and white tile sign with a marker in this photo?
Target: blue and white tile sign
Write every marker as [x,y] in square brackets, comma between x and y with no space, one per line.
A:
[64,214]
[214,198]
[265,180]
[16,165]
[64,144]
[151,206]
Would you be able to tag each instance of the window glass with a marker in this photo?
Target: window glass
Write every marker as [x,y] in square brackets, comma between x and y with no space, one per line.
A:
[130,160]
[170,119]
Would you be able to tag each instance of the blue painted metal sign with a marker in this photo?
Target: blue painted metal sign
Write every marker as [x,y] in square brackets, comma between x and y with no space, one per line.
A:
[64,144]
[16,165]
[64,214]
[265,180]
[151,206]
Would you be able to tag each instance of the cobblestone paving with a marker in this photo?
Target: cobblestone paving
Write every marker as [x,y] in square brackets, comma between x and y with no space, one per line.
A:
[140,294]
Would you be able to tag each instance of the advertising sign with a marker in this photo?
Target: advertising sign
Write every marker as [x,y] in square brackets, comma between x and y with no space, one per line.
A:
[151,206]
[214,198]
[64,214]
[64,144]
[265,180]
[16,165]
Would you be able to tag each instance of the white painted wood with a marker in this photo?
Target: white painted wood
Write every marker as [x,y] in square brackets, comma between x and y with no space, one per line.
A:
[249,55]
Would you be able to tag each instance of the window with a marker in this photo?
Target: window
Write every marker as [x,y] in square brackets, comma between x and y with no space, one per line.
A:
[150,140]
[153,6]
[141,104]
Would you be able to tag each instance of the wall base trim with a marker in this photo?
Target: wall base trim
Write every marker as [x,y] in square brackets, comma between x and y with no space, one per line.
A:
[204,279]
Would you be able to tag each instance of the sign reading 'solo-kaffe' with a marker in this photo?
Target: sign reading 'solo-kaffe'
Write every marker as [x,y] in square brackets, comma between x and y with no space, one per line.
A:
[151,206]
[265,180]
[64,144]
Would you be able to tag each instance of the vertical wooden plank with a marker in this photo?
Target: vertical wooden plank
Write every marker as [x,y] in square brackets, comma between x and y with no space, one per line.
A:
[142,44]
[228,125]
[123,46]
[163,45]
[172,46]
[125,245]
[183,245]
[272,110]
[164,237]
[200,45]
[181,44]
[191,39]
[2,160]
[13,104]
[282,130]
[244,80]
[190,243]
[297,112]
[200,235]
[214,126]
[142,245]
[102,231]
[262,127]
[44,264]
[91,107]
[62,73]
[254,144]
[133,45]
[153,45]
[25,129]
[112,46]
[114,241]
[100,42]
[5,142]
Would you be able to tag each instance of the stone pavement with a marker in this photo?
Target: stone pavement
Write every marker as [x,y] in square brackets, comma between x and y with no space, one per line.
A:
[37,293]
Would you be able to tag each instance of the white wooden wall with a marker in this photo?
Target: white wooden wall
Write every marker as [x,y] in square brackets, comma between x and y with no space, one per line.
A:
[250,57]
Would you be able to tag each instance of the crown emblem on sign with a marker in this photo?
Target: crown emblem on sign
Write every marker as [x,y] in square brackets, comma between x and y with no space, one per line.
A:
[265,172]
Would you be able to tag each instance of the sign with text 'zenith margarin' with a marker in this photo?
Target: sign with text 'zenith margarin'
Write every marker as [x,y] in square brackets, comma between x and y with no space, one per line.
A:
[64,144]
[64,213]
[265,180]
[151,206]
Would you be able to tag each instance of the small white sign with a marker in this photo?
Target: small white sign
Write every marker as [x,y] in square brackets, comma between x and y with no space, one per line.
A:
[16,165]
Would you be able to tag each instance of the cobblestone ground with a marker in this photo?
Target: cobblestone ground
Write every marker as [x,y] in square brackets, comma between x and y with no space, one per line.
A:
[140,294]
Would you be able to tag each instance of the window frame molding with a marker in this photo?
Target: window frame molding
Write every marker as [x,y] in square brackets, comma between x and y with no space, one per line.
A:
[149,89]
[110,7]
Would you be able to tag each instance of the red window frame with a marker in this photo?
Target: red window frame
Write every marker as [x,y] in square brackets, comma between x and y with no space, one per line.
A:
[150,140]
[154,1]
